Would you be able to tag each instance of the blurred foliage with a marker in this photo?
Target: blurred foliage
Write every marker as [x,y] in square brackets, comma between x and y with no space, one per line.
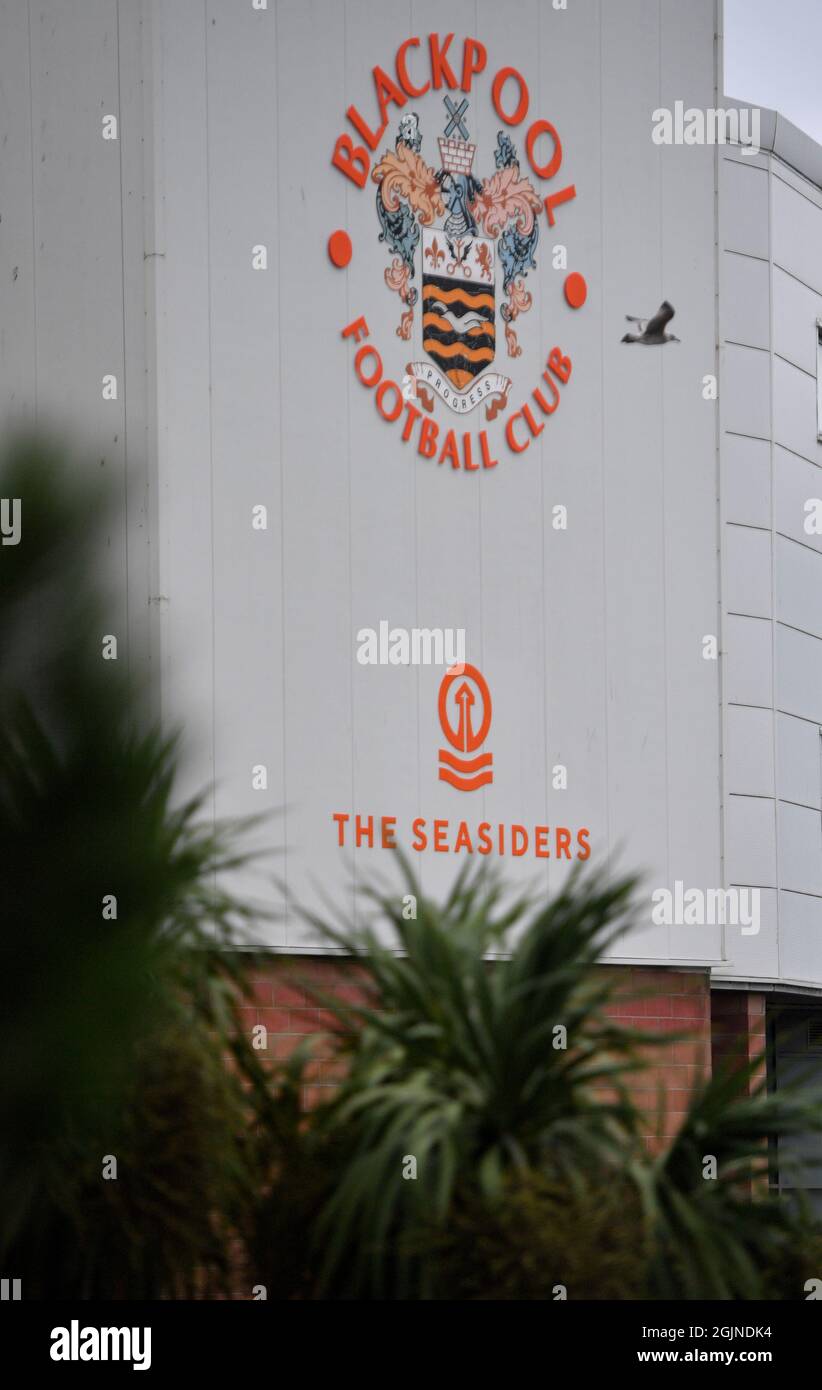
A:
[455,1063]
[542,1240]
[113,1033]
[722,1238]
[531,1169]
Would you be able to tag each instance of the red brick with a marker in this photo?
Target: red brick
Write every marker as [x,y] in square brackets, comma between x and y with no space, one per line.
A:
[275,1020]
[695,984]
[329,1021]
[649,999]
[302,1021]
[262,991]
[289,995]
[351,994]
[689,1006]
[663,1006]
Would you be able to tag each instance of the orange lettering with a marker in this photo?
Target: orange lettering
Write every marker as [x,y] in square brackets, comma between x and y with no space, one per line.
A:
[365,131]
[402,70]
[487,461]
[518,831]
[563,842]
[528,416]
[396,410]
[440,67]
[484,844]
[537,129]
[341,823]
[413,414]
[560,366]
[356,330]
[360,358]
[428,439]
[440,831]
[364,831]
[473,50]
[387,825]
[351,160]
[496,96]
[387,94]
[509,435]
[463,840]
[420,838]
[450,450]
[556,199]
[540,399]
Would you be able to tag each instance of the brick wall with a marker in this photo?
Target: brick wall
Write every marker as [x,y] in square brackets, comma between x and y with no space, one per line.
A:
[285,1003]
[661,1000]
[654,1000]
[738,1028]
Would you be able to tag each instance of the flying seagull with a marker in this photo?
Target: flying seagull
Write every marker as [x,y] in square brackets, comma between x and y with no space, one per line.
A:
[651,332]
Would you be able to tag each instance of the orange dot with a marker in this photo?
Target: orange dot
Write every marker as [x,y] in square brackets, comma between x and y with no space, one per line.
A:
[339,248]
[576,290]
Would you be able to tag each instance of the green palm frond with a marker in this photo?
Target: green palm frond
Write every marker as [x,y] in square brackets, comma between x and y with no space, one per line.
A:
[452,1061]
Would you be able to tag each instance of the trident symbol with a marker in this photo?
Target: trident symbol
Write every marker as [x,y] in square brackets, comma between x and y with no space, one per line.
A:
[466,774]
[465,733]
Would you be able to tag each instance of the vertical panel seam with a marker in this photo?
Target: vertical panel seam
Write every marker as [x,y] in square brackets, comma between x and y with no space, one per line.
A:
[129,654]
[210,424]
[603,471]
[283,643]
[33,219]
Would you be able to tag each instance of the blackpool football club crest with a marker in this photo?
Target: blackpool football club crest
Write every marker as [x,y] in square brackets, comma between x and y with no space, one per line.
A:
[461,249]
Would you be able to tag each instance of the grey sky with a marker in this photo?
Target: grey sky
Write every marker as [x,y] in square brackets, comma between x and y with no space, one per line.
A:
[773,57]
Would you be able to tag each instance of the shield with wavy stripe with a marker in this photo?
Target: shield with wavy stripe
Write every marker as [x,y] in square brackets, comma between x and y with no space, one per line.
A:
[458,304]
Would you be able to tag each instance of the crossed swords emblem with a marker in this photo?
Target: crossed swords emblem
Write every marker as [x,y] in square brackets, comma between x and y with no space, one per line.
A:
[456,113]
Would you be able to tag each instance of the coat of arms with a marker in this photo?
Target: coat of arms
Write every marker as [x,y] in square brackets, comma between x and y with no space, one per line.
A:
[464,230]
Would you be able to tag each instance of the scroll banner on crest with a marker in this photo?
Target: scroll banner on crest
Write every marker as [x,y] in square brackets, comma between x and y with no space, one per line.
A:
[491,387]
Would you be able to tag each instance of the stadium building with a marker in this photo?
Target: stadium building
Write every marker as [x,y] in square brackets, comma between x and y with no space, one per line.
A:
[337,294]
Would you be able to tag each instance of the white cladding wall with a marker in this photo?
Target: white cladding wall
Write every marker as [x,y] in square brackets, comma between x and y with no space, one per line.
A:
[72,270]
[590,639]
[770,300]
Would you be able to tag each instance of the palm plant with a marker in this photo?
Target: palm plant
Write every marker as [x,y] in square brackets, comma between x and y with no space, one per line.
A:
[722,1236]
[477,1072]
[466,1118]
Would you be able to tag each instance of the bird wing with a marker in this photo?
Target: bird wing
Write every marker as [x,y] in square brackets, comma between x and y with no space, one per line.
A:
[661,318]
[632,319]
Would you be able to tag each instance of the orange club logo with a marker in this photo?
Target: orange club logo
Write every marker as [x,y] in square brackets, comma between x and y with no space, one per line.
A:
[464,696]
[464,706]
[462,238]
